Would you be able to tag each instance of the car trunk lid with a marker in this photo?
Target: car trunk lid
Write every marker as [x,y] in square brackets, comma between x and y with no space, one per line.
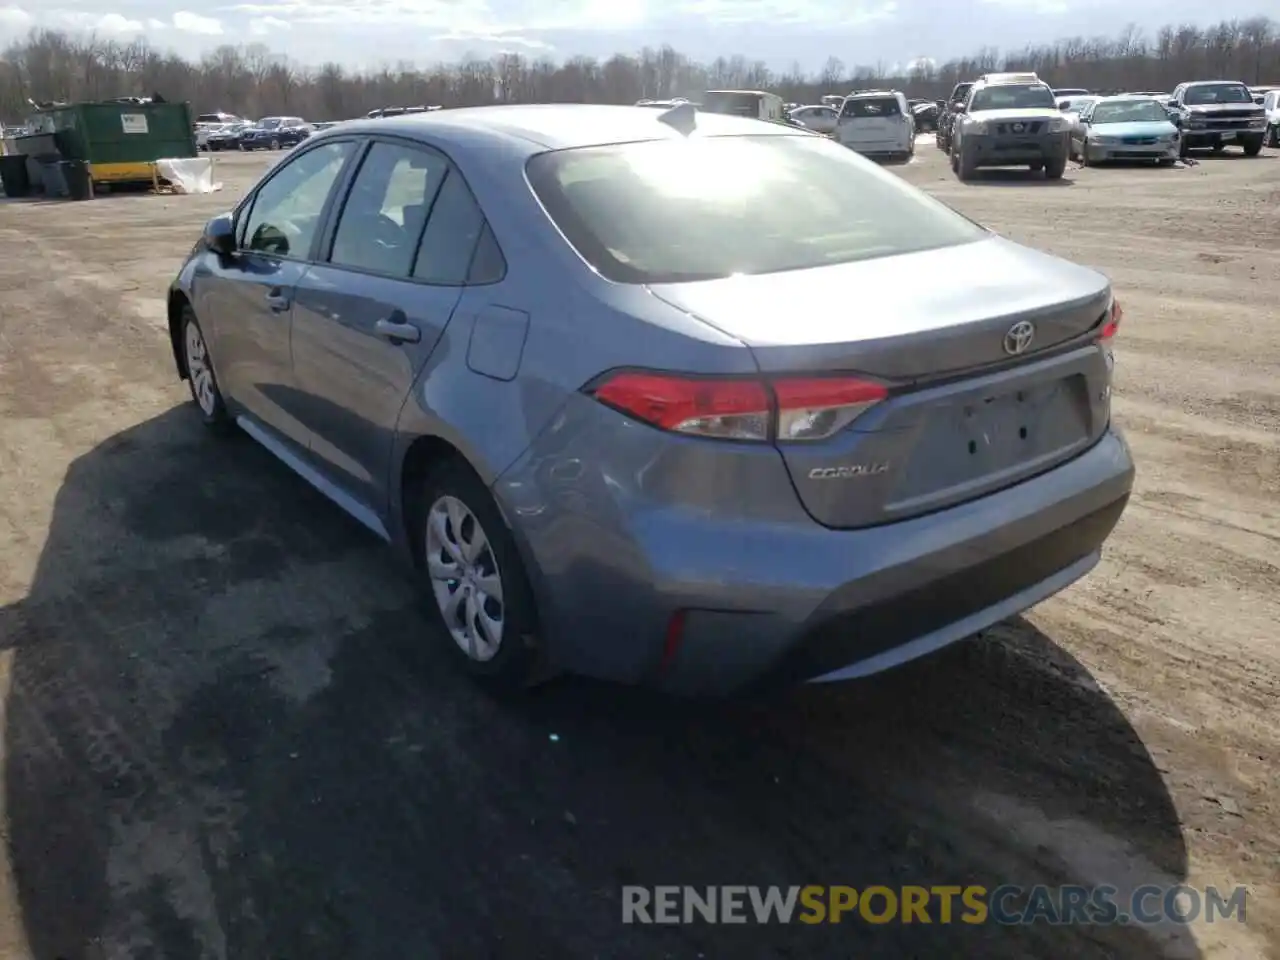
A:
[971,406]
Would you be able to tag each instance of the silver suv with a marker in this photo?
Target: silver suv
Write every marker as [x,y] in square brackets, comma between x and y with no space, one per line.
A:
[1010,120]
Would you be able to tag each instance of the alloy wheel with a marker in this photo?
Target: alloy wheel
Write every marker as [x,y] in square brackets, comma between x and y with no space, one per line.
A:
[465,579]
[200,371]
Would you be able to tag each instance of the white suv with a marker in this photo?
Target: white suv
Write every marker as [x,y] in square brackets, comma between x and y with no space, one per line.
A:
[877,123]
[1010,120]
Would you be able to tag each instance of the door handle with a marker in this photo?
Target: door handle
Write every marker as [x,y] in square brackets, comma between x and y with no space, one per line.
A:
[278,301]
[398,331]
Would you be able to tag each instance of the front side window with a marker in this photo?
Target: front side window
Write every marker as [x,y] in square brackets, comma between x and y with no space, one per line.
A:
[669,211]
[1013,96]
[285,213]
[383,215]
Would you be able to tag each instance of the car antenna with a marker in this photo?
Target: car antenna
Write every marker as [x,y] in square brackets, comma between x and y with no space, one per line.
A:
[682,117]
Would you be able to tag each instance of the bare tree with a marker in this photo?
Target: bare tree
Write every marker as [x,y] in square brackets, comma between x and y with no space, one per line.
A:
[50,65]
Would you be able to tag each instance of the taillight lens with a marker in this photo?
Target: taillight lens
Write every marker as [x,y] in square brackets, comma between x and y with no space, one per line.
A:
[1112,324]
[818,407]
[787,409]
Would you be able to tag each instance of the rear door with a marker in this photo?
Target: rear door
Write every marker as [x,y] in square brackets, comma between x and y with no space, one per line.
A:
[871,123]
[370,314]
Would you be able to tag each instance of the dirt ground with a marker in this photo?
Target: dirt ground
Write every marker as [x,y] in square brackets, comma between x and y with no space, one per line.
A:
[213,745]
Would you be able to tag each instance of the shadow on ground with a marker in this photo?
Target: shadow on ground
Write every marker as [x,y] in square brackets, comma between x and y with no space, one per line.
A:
[215,747]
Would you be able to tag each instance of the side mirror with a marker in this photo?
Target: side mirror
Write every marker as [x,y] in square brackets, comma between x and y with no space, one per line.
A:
[220,234]
[958,108]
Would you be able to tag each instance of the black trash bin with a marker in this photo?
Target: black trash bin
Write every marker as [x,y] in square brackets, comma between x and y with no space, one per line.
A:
[79,182]
[55,185]
[13,171]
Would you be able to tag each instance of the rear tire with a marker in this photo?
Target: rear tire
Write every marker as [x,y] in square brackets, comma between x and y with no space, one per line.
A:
[202,380]
[475,578]
[1055,168]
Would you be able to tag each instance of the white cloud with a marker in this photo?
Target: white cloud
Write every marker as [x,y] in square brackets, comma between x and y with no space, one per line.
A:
[154,24]
[15,18]
[189,22]
[116,23]
[488,38]
[261,26]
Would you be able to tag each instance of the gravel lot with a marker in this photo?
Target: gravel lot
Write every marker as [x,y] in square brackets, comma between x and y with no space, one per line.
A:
[217,744]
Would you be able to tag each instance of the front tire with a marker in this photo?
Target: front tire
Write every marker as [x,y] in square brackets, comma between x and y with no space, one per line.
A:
[1273,136]
[1252,145]
[967,164]
[1055,168]
[201,378]
[477,587]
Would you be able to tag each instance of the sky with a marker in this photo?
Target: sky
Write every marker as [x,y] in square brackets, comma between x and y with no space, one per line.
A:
[372,33]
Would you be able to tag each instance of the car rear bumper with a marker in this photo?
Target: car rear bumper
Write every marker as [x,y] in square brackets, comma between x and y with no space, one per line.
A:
[712,598]
[992,150]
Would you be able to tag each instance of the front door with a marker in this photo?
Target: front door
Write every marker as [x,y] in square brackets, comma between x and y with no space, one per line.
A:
[248,299]
[369,314]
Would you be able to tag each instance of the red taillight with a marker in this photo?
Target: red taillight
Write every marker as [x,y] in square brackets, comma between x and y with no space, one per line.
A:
[788,409]
[728,409]
[1112,324]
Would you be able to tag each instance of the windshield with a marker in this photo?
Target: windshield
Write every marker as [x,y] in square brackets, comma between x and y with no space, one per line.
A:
[1129,111]
[1013,96]
[671,211]
[872,107]
[737,104]
[1218,93]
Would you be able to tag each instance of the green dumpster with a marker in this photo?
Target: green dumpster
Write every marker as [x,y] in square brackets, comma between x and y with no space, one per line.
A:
[120,142]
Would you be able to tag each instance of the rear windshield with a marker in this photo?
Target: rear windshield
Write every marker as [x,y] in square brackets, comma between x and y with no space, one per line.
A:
[1218,93]
[1013,96]
[872,107]
[671,211]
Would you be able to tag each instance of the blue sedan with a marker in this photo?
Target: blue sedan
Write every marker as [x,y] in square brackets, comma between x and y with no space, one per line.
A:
[1125,128]
[623,413]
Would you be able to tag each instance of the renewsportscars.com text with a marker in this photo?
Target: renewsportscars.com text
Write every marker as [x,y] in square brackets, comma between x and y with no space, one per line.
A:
[972,904]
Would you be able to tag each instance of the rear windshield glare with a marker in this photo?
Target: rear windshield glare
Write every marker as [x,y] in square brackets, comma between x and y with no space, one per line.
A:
[881,107]
[672,211]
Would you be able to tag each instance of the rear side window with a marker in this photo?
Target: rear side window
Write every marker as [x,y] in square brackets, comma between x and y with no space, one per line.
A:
[386,209]
[703,208]
[450,238]
[872,107]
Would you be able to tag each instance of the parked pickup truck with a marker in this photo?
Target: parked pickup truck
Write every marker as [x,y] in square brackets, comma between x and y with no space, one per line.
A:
[1214,113]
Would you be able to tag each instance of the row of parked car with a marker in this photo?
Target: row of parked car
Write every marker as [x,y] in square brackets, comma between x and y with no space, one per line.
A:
[215,132]
[1015,119]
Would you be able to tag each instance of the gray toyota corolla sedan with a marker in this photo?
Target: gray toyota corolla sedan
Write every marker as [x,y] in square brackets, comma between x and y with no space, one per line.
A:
[657,396]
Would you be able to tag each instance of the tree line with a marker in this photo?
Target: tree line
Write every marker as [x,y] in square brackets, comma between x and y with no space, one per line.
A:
[253,81]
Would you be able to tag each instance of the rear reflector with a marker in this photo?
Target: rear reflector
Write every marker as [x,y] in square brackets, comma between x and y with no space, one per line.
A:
[788,409]
[1112,324]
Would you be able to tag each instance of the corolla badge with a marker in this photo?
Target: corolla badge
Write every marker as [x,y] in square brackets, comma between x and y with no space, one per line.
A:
[850,472]
[1018,339]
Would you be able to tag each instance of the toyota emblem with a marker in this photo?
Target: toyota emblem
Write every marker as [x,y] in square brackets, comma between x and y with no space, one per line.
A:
[1019,127]
[1018,339]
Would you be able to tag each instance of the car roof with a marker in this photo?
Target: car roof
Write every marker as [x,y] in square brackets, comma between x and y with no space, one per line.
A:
[531,128]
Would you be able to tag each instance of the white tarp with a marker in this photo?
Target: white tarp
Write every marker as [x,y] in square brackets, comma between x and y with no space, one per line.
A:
[189,174]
